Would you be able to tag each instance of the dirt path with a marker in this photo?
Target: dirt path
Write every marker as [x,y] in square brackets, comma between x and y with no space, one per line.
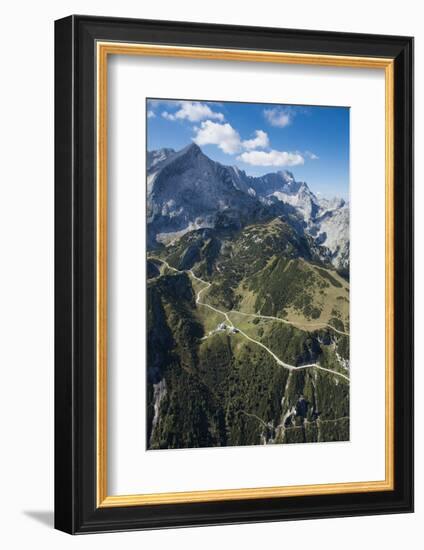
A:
[294,323]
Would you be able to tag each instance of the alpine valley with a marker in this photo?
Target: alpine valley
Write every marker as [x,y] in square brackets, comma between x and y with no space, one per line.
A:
[247,307]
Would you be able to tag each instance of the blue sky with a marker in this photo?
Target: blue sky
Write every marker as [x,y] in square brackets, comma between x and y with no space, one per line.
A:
[310,141]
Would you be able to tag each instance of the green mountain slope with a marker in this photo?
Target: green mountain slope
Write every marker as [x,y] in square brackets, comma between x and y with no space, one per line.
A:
[221,370]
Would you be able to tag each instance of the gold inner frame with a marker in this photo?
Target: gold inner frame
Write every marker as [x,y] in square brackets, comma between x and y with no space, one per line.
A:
[104,49]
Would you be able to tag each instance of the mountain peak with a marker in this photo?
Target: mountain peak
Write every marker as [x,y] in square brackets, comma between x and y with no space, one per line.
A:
[286,175]
[192,148]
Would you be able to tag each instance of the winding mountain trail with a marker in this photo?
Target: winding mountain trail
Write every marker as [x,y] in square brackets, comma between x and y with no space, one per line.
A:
[294,323]
[231,325]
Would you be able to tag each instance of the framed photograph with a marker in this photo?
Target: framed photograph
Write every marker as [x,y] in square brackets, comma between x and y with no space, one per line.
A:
[234,274]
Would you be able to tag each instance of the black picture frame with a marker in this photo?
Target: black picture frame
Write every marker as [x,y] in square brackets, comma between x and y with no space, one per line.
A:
[76,510]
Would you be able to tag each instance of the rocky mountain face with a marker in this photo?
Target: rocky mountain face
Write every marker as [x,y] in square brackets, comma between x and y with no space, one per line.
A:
[186,190]
[327,221]
[331,229]
[154,158]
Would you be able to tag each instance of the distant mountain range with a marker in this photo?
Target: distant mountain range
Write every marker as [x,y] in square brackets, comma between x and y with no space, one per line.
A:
[186,190]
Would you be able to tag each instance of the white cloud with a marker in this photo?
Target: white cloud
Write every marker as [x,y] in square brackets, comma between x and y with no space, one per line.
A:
[271,158]
[227,138]
[279,116]
[194,111]
[261,141]
[222,135]
[168,116]
[311,156]
[150,114]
